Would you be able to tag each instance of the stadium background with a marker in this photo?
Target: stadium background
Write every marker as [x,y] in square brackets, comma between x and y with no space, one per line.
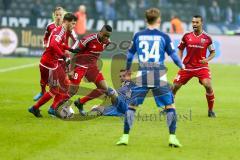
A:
[22,136]
[27,20]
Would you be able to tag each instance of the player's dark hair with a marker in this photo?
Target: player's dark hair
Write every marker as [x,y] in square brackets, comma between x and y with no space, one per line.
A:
[152,15]
[198,16]
[107,28]
[69,17]
[122,70]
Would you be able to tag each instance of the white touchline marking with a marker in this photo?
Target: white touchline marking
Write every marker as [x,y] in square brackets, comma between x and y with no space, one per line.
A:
[18,67]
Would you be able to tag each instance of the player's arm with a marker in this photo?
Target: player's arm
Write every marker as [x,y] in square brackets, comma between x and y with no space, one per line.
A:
[180,53]
[75,40]
[55,43]
[181,47]
[46,37]
[212,54]
[130,54]
[80,46]
[172,53]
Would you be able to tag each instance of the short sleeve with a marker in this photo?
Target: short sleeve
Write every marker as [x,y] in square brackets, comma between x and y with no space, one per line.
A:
[182,44]
[211,45]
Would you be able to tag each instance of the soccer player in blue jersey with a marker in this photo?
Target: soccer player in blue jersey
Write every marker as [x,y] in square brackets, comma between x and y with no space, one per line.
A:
[150,45]
[120,98]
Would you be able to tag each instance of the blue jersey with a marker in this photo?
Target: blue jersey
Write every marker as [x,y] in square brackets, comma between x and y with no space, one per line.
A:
[124,98]
[150,46]
[125,91]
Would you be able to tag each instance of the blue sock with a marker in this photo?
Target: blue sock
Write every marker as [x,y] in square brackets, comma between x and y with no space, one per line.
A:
[171,120]
[128,120]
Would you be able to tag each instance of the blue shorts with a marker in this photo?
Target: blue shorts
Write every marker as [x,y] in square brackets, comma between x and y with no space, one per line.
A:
[111,111]
[117,109]
[163,95]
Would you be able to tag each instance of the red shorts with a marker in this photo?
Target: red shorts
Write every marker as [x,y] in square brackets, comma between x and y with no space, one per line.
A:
[58,80]
[44,72]
[184,76]
[92,74]
[44,75]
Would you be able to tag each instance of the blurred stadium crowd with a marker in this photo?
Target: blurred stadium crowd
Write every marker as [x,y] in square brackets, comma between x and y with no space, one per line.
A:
[213,11]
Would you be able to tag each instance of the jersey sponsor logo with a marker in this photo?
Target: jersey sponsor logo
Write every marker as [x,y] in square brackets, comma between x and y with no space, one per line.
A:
[203,40]
[8,41]
[58,38]
[195,46]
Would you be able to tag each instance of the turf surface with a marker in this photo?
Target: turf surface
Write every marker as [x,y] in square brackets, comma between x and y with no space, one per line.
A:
[24,137]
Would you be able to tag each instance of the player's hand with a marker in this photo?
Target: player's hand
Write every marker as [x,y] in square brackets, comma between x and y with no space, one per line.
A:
[127,72]
[44,46]
[67,60]
[183,67]
[77,50]
[203,61]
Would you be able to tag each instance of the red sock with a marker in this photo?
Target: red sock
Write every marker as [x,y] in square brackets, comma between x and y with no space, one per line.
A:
[44,99]
[43,88]
[210,99]
[94,94]
[58,99]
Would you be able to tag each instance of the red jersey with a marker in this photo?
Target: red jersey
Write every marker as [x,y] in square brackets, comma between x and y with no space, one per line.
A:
[196,49]
[51,27]
[91,50]
[55,48]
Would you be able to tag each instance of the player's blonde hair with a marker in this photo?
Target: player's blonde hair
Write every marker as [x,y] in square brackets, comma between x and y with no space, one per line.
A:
[58,8]
[152,15]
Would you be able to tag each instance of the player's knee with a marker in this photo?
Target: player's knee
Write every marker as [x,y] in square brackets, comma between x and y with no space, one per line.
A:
[101,84]
[133,107]
[207,85]
[73,90]
[170,106]
[176,86]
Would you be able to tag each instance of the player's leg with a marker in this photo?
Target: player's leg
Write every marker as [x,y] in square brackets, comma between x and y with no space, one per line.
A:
[205,79]
[209,96]
[138,95]
[164,97]
[182,78]
[79,73]
[60,90]
[100,90]
[172,125]
[44,75]
[59,99]
[44,99]
[128,123]
[176,87]
[101,85]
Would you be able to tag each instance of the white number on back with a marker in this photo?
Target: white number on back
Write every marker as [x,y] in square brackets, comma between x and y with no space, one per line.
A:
[148,53]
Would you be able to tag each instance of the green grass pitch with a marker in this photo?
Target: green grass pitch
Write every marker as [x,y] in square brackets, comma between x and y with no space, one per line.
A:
[24,137]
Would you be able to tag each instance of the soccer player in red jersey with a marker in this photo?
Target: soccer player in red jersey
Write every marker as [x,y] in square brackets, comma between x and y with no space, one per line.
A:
[196,61]
[89,51]
[50,64]
[58,16]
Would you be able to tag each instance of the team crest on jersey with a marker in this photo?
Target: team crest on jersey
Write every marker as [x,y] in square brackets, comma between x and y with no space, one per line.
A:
[203,40]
